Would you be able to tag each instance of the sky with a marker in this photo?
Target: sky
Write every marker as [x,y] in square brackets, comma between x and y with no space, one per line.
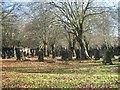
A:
[116,1]
[108,2]
[111,2]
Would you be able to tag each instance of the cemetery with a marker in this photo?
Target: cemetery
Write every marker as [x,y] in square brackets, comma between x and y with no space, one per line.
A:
[68,45]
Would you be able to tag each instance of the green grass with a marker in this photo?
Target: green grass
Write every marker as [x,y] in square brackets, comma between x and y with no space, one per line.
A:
[66,80]
[60,76]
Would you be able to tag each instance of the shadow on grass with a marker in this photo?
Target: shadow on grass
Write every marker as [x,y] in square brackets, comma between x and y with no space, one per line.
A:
[90,68]
[55,70]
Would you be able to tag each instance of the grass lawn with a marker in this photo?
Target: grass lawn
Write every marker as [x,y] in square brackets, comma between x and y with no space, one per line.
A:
[33,74]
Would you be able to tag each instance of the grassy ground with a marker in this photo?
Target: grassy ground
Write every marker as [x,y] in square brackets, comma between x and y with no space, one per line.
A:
[33,74]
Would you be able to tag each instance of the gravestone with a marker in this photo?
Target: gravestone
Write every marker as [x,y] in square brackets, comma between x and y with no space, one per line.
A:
[108,56]
[18,53]
[41,55]
[63,54]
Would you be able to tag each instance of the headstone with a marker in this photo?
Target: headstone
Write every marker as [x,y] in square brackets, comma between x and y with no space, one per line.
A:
[18,53]
[108,56]
[41,55]
[63,54]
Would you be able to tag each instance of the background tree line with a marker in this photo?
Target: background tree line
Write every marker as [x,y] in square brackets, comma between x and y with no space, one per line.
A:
[80,24]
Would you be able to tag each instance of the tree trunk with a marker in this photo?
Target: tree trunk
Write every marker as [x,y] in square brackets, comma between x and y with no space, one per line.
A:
[14,51]
[96,54]
[84,51]
[70,51]
[53,51]
[73,46]
[45,48]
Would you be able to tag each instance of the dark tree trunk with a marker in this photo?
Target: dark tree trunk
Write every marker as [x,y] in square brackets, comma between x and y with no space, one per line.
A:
[96,54]
[77,54]
[69,52]
[53,51]
[70,49]
[84,51]
[91,53]
[45,48]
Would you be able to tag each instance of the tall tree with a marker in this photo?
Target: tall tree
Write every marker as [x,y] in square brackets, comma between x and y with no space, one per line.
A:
[74,14]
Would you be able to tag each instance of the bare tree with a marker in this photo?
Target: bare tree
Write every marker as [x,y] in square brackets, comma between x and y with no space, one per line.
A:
[74,14]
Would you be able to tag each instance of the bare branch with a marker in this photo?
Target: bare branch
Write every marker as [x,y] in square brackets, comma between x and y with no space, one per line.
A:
[92,14]
[7,13]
